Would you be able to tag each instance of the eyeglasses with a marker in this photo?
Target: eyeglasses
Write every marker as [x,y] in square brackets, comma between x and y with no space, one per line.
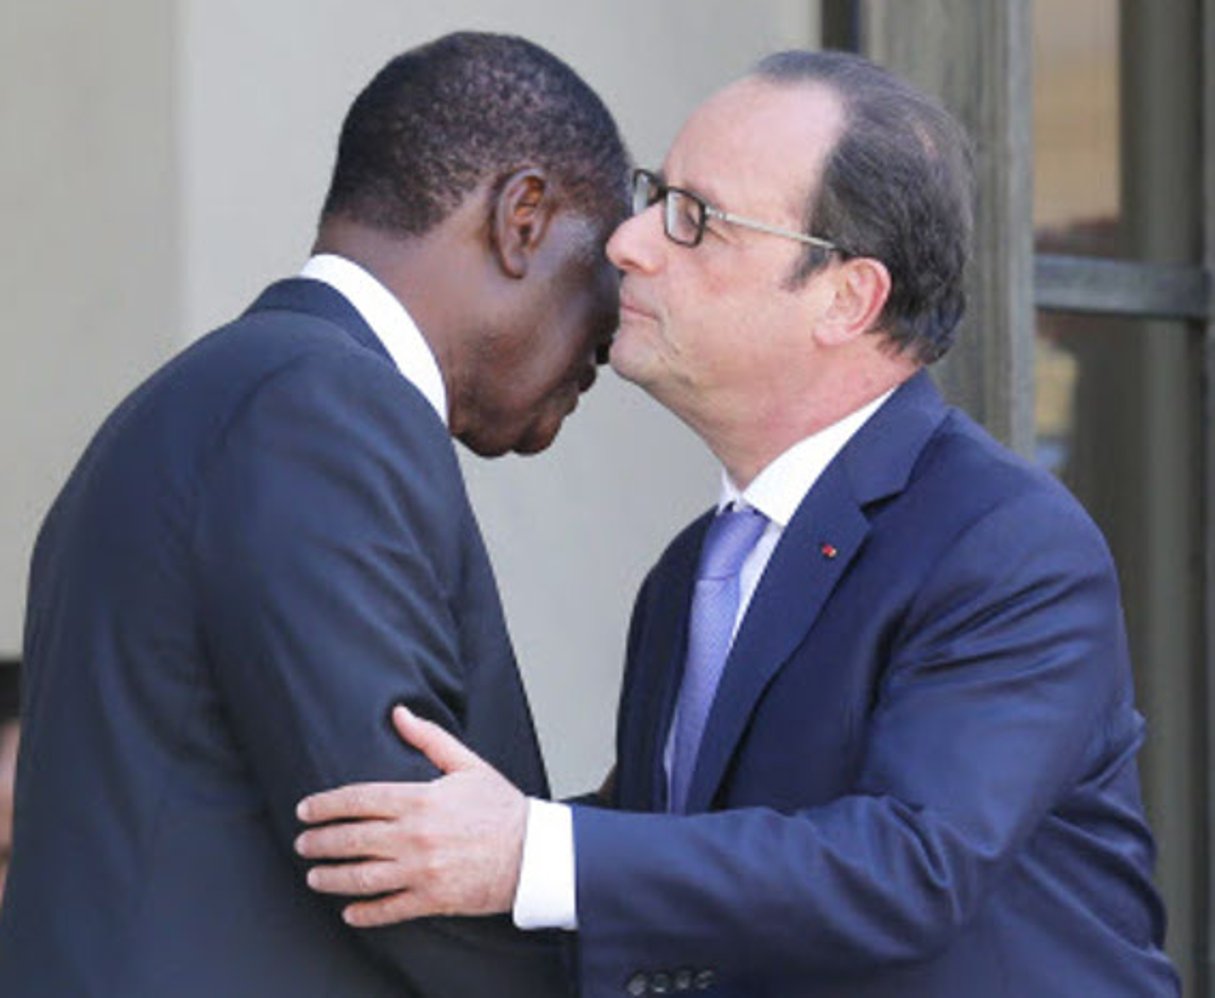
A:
[684,214]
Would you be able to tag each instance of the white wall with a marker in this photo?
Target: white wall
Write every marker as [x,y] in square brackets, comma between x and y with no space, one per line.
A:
[258,91]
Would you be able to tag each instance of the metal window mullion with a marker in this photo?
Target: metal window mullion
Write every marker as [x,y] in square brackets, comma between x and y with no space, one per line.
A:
[1207,97]
[1128,288]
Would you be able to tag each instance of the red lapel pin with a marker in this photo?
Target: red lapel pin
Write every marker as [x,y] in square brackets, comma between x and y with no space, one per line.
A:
[828,550]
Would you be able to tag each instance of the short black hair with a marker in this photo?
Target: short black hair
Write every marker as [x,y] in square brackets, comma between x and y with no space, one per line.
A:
[898,187]
[442,118]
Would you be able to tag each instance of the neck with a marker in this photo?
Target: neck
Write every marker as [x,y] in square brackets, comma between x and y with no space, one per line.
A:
[748,444]
[415,269]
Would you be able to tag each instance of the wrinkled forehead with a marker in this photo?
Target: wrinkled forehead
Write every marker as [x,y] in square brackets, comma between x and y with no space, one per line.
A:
[767,138]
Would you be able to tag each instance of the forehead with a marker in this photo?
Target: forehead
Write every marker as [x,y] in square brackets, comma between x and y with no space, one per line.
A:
[765,141]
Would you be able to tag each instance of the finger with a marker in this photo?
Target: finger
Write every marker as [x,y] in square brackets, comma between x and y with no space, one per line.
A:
[443,749]
[359,879]
[356,802]
[400,907]
[348,840]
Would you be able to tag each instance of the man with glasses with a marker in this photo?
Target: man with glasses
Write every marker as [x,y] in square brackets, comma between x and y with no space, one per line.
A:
[877,702]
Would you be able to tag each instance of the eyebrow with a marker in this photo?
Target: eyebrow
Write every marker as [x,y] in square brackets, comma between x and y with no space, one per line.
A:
[700,190]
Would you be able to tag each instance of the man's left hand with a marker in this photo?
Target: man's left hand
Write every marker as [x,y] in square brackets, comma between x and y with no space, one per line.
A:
[450,847]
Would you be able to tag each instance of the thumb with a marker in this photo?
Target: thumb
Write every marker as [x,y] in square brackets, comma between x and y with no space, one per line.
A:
[443,749]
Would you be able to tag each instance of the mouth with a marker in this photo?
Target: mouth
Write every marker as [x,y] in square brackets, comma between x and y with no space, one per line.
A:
[628,306]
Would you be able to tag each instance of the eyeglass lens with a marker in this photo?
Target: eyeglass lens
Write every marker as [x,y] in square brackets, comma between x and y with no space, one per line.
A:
[683,215]
[645,191]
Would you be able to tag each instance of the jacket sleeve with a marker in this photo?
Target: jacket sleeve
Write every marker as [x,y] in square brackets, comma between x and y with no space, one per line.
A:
[994,702]
[328,542]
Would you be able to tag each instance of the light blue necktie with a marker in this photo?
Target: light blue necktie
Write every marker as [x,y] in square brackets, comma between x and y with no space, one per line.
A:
[729,539]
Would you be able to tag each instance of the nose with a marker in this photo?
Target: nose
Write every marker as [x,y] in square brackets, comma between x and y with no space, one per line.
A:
[636,245]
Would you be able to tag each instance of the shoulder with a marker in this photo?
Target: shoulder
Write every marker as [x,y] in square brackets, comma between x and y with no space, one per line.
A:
[981,535]
[317,427]
[986,536]
[964,477]
[342,414]
[295,373]
[262,354]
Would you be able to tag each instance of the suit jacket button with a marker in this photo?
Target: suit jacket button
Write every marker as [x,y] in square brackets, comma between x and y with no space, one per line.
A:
[638,985]
[660,983]
[705,980]
[683,980]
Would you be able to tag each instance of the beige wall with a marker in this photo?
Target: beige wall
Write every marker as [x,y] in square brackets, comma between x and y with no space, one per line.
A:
[180,154]
[89,262]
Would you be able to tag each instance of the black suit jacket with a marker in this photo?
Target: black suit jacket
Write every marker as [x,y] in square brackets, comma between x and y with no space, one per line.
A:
[265,547]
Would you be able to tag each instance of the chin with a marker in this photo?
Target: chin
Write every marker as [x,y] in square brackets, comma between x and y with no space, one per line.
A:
[486,445]
[536,441]
[536,436]
[486,448]
[628,363]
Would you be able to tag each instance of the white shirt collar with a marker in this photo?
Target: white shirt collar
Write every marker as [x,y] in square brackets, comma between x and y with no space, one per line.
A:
[779,489]
[388,319]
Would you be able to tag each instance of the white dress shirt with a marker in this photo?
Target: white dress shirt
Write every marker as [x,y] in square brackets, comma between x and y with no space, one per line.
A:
[388,319]
[546,897]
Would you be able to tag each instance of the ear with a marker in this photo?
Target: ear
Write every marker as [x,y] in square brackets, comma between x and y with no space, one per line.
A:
[859,294]
[521,215]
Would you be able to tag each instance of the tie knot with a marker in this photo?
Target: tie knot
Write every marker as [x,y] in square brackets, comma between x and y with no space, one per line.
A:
[729,539]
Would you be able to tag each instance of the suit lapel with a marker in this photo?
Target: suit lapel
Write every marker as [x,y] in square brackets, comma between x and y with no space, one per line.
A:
[794,587]
[825,535]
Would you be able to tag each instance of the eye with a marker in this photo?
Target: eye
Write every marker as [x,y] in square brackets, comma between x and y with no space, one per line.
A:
[689,210]
[685,216]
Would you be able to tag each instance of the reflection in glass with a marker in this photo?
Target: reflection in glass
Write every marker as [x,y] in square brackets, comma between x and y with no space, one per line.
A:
[1077,184]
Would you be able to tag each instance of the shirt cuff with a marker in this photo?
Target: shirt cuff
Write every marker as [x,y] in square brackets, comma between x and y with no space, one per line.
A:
[546,895]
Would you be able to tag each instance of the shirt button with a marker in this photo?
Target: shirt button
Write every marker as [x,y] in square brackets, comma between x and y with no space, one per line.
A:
[638,985]
[705,980]
[683,980]
[660,984]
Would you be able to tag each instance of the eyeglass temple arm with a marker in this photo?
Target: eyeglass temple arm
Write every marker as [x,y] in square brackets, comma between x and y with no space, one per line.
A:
[773,230]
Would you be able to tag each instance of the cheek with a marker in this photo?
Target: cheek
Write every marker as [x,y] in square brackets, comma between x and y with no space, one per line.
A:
[697,294]
[635,331]
[720,325]
[552,370]
[638,348]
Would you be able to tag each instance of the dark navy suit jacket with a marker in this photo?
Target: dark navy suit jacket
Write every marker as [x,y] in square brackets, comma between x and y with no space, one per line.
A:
[918,778]
[265,547]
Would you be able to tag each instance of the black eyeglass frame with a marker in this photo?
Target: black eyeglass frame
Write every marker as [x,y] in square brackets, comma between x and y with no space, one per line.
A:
[648,188]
